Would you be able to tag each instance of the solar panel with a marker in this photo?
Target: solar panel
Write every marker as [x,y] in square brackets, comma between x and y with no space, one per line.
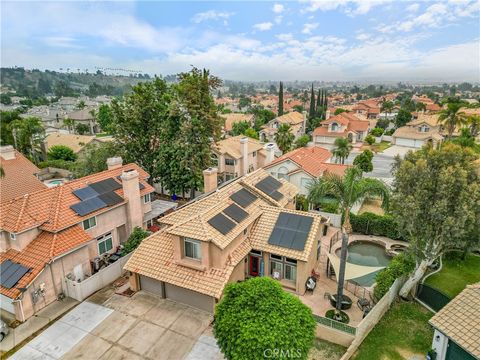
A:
[106,185]
[85,193]
[222,223]
[243,197]
[87,206]
[110,198]
[291,231]
[269,186]
[11,273]
[235,212]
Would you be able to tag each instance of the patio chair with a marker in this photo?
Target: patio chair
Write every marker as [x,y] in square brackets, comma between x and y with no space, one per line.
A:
[363,303]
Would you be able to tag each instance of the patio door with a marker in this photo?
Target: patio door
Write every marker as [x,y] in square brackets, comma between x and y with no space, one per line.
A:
[254,262]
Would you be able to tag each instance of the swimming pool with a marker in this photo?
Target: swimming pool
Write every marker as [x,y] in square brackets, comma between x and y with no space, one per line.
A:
[366,253]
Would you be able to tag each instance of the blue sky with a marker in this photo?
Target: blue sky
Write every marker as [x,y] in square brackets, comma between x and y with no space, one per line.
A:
[371,40]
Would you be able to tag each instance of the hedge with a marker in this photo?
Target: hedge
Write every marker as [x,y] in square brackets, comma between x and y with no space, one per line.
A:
[372,224]
[402,264]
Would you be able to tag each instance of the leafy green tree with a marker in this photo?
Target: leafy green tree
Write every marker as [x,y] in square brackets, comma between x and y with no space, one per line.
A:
[435,199]
[298,108]
[69,124]
[473,122]
[284,138]
[104,118]
[348,190]
[364,161]
[466,139]
[251,133]
[262,116]
[387,107]
[369,139]
[451,118]
[313,123]
[240,127]
[339,111]
[257,319]
[6,135]
[94,158]
[82,129]
[244,102]
[134,240]
[5,99]
[81,105]
[383,123]
[342,149]
[402,264]
[302,141]
[402,118]
[61,152]
[280,99]
[28,134]
[377,132]
[62,88]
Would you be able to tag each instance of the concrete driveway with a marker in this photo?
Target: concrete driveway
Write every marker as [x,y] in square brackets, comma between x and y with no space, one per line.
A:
[395,150]
[141,327]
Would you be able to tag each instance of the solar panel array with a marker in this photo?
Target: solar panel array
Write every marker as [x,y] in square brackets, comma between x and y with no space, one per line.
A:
[222,223]
[97,196]
[11,273]
[235,212]
[291,231]
[243,197]
[269,186]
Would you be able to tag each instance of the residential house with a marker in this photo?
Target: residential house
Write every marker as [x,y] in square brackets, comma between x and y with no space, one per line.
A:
[301,166]
[457,327]
[233,118]
[239,155]
[370,108]
[52,117]
[56,232]
[75,142]
[425,129]
[344,125]
[19,174]
[430,105]
[296,120]
[243,229]
[85,116]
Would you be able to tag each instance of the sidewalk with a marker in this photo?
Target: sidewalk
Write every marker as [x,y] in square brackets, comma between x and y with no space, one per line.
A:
[35,323]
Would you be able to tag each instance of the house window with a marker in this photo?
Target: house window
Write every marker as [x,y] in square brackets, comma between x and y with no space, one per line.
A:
[13,236]
[290,272]
[229,162]
[89,223]
[105,243]
[229,176]
[283,173]
[254,154]
[147,198]
[424,128]
[334,126]
[214,160]
[283,268]
[192,249]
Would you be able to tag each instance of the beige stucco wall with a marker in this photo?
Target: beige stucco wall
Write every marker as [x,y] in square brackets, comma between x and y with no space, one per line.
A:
[295,179]
[4,241]
[23,239]
[324,139]
[238,273]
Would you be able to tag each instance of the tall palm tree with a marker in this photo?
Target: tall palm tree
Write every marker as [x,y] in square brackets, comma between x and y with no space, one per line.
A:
[29,135]
[474,124]
[70,124]
[342,149]
[349,190]
[284,138]
[452,117]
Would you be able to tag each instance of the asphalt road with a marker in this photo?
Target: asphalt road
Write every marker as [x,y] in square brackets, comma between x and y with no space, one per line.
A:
[382,165]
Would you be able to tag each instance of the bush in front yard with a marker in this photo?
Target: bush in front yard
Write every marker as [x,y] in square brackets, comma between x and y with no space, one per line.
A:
[372,224]
[257,319]
[135,238]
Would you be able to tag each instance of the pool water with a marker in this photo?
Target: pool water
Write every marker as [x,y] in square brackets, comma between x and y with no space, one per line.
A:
[367,254]
[56,182]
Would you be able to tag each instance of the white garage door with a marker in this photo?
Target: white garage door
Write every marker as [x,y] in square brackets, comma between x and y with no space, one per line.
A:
[151,285]
[7,304]
[409,142]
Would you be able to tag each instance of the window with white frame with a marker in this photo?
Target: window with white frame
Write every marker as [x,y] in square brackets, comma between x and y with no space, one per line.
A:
[105,243]
[229,161]
[283,268]
[147,198]
[13,236]
[89,223]
[192,249]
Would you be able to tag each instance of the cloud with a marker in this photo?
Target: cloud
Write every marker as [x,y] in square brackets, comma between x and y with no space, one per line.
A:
[278,8]
[309,27]
[263,26]
[61,41]
[211,15]
[350,7]
[413,7]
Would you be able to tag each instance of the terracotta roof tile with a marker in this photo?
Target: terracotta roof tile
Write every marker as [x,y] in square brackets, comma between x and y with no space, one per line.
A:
[312,159]
[232,146]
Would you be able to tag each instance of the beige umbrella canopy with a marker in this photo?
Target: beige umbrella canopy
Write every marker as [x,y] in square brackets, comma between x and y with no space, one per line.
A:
[352,271]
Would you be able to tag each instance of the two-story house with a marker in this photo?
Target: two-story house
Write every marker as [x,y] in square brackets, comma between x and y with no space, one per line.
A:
[425,129]
[343,125]
[48,234]
[246,228]
[233,118]
[369,109]
[301,166]
[296,120]
[239,155]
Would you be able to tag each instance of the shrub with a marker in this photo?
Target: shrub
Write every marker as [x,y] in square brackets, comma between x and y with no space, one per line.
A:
[389,132]
[370,139]
[330,314]
[135,238]
[372,224]
[257,317]
[400,265]
[302,203]
[329,207]
[60,164]
[377,132]
[61,152]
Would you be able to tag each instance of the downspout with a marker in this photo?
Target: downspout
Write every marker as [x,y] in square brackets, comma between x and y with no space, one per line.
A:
[21,307]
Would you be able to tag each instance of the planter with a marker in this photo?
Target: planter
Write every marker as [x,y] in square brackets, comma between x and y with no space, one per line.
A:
[346,302]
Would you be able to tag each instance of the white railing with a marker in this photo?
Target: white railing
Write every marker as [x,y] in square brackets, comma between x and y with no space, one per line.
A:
[83,289]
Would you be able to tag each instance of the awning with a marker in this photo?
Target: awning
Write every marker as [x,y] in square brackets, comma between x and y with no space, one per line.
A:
[160,207]
[352,271]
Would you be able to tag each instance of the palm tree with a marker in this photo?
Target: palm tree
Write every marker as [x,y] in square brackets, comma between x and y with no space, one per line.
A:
[342,149]
[70,124]
[29,135]
[474,123]
[387,107]
[452,117]
[92,124]
[284,138]
[349,190]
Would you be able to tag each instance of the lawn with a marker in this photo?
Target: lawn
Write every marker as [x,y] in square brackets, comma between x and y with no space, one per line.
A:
[400,334]
[377,147]
[456,273]
[324,350]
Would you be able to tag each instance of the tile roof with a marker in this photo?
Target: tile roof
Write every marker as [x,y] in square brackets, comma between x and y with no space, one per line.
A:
[311,159]
[81,115]
[50,208]
[41,251]
[411,132]
[74,142]
[291,118]
[429,119]
[323,131]
[460,319]
[351,121]
[233,118]
[232,146]
[19,177]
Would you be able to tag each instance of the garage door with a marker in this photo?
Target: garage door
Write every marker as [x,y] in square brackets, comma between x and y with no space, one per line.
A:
[151,285]
[407,142]
[189,297]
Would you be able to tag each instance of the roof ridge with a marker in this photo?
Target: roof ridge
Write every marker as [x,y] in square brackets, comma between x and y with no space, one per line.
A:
[57,207]
[52,246]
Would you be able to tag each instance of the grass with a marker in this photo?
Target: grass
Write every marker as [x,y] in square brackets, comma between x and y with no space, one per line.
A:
[401,333]
[456,273]
[377,147]
[324,350]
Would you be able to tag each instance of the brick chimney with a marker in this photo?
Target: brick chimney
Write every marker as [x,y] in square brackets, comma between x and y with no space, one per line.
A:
[114,163]
[7,152]
[270,153]
[210,179]
[244,152]
[131,193]
[304,113]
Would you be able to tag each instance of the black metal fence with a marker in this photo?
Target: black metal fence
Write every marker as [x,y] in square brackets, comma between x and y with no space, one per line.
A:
[432,297]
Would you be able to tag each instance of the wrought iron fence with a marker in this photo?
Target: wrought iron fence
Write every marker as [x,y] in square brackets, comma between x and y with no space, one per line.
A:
[336,325]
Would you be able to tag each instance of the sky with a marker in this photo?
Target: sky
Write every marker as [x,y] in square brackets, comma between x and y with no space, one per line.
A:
[343,40]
